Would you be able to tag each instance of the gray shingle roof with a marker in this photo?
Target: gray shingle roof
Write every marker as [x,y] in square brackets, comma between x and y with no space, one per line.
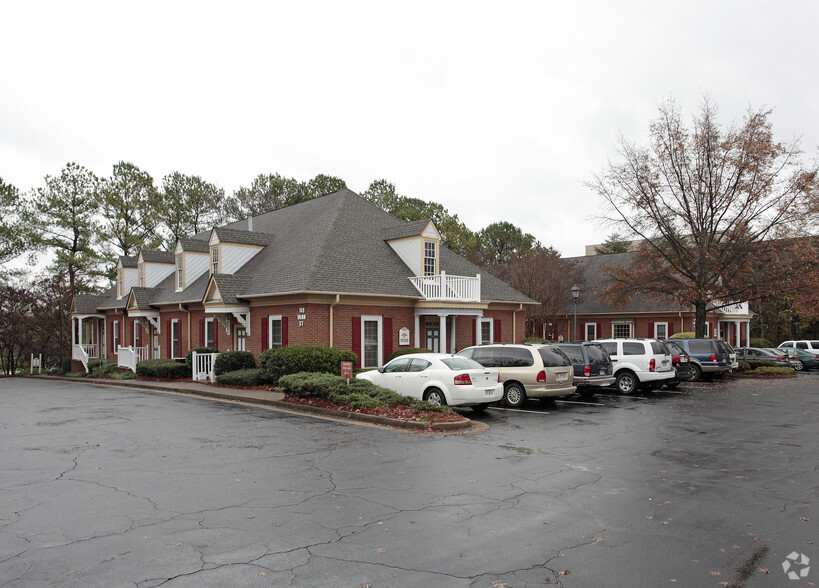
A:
[194,244]
[128,260]
[227,235]
[407,230]
[157,256]
[230,286]
[87,303]
[143,297]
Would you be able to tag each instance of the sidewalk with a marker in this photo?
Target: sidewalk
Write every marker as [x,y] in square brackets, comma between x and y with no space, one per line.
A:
[267,398]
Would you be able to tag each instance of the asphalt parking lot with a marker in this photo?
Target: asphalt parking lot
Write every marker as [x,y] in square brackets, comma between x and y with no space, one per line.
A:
[712,485]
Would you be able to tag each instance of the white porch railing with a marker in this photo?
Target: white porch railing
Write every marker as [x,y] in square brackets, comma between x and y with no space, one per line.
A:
[79,353]
[128,357]
[202,366]
[444,287]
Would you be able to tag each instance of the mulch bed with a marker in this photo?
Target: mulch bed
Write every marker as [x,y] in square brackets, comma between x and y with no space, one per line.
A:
[400,412]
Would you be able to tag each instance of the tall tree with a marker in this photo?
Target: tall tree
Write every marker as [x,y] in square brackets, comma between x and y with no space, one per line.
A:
[66,217]
[500,243]
[614,243]
[708,204]
[189,205]
[14,233]
[454,234]
[129,204]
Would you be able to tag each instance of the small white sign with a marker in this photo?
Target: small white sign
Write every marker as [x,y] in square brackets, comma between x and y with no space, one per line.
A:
[403,336]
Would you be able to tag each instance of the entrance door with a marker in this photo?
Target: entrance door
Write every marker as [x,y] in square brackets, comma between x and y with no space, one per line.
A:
[434,339]
[155,345]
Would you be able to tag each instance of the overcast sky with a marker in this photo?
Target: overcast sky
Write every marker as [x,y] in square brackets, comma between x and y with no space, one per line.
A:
[497,110]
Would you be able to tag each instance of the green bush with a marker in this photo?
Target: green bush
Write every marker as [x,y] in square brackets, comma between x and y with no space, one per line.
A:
[405,351]
[232,361]
[684,335]
[129,375]
[760,342]
[744,366]
[163,369]
[65,365]
[303,358]
[245,377]
[359,394]
[772,371]
[534,340]
[102,368]
[189,355]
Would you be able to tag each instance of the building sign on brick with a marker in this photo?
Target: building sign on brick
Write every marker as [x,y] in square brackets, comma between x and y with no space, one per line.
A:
[301,317]
[404,336]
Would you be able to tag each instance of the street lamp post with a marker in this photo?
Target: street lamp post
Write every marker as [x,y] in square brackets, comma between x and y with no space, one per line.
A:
[575,295]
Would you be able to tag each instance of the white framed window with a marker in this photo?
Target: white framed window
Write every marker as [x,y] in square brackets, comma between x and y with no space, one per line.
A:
[661,330]
[241,339]
[180,281]
[214,260]
[371,343]
[115,335]
[430,254]
[136,337]
[209,337]
[120,282]
[591,331]
[141,273]
[175,338]
[274,331]
[487,331]
[621,330]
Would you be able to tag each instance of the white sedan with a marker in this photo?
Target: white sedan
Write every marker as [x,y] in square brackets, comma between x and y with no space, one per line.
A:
[440,378]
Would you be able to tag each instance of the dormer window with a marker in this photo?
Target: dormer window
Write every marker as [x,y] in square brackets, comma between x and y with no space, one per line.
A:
[120,282]
[430,255]
[141,272]
[180,283]
[214,260]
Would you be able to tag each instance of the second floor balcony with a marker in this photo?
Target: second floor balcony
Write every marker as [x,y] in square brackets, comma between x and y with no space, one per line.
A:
[449,288]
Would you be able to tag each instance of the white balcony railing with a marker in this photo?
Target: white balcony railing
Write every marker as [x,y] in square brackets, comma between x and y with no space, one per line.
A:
[202,366]
[444,287]
[79,353]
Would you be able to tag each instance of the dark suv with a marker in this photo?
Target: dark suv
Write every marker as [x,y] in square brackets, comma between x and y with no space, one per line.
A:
[592,366]
[707,357]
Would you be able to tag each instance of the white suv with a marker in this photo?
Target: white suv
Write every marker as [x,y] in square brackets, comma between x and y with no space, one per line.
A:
[806,345]
[643,363]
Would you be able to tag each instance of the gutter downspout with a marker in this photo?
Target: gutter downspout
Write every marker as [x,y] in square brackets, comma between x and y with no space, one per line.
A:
[338,297]
[515,322]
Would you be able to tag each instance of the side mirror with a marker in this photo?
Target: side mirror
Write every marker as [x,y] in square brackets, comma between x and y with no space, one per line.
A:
[381,370]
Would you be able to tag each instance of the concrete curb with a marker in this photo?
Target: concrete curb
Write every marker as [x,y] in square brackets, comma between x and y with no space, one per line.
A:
[278,404]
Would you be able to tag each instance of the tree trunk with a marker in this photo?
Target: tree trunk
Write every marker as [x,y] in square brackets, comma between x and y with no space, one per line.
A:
[699,319]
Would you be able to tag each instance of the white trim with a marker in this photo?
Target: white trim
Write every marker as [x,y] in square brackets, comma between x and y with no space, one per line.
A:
[175,326]
[491,323]
[270,319]
[586,331]
[115,342]
[656,333]
[209,324]
[369,318]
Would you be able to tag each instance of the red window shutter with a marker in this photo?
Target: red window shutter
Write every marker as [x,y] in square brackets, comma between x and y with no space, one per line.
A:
[169,350]
[284,331]
[111,346]
[670,328]
[263,331]
[497,334]
[475,331]
[387,343]
[182,349]
[216,333]
[357,338]
[201,332]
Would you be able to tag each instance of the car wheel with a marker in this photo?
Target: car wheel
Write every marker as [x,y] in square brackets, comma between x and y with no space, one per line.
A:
[697,374]
[586,392]
[672,384]
[799,366]
[627,382]
[435,396]
[514,396]
[479,407]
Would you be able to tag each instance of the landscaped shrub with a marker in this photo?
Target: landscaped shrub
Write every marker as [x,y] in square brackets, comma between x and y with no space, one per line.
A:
[102,368]
[744,366]
[684,335]
[406,350]
[65,365]
[162,369]
[359,394]
[773,371]
[231,361]
[246,377]
[303,358]
[760,342]
[534,340]
[189,355]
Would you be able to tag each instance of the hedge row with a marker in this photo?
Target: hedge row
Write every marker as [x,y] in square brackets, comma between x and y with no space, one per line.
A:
[163,369]
[303,358]
[359,394]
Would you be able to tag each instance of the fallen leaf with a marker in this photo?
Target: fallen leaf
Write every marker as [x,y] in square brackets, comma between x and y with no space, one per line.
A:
[564,573]
[764,570]
[804,519]
[380,549]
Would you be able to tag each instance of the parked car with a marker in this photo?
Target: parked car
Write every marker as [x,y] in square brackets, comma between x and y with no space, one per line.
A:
[732,354]
[803,344]
[681,362]
[527,371]
[707,357]
[759,356]
[802,359]
[639,363]
[439,378]
[592,366]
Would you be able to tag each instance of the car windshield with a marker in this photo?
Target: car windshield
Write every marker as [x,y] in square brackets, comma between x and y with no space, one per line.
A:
[596,353]
[674,348]
[461,363]
[659,348]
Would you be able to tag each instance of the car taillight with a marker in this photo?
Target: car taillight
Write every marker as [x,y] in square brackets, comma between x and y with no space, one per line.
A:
[651,364]
[499,380]
[541,376]
[586,370]
[676,359]
[712,357]
[463,380]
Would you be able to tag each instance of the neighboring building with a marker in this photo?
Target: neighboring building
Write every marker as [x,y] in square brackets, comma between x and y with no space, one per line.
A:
[334,271]
[642,316]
